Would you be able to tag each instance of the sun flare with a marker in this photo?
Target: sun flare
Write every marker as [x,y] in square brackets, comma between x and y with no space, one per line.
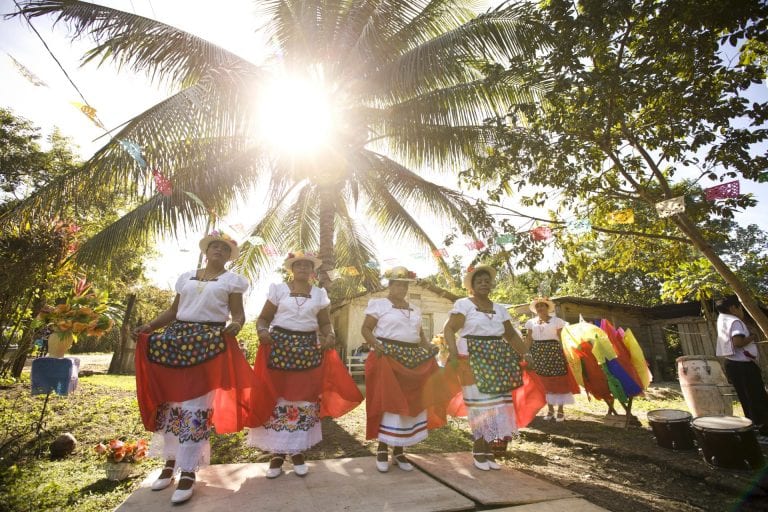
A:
[295,116]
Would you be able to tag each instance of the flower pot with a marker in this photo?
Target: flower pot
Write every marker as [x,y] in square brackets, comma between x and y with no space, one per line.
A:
[117,471]
[58,343]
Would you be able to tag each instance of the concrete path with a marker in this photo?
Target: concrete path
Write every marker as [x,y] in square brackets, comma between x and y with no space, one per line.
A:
[441,482]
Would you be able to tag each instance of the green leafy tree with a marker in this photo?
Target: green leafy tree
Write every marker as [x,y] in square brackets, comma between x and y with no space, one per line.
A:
[644,94]
[409,82]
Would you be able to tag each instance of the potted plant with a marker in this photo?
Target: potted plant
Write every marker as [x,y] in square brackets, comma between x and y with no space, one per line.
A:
[121,455]
[82,310]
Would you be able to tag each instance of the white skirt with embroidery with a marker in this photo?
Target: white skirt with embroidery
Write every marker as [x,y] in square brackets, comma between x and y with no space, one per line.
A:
[294,427]
[490,416]
[397,430]
[183,432]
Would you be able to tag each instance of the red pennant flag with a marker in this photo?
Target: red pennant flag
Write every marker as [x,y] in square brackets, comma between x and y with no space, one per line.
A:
[162,183]
[541,233]
[440,253]
[475,244]
[724,191]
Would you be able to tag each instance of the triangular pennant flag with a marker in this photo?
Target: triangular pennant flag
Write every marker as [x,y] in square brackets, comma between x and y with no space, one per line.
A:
[506,238]
[256,241]
[541,233]
[579,226]
[475,245]
[626,216]
[724,191]
[440,253]
[373,265]
[134,150]
[270,251]
[670,207]
[334,274]
[90,113]
[351,271]
[162,183]
[26,73]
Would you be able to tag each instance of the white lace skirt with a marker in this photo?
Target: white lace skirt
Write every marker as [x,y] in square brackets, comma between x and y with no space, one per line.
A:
[490,416]
[294,427]
[397,430]
[183,432]
[560,398]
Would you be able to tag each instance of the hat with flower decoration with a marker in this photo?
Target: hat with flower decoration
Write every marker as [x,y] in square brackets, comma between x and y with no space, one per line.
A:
[400,274]
[471,271]
[295,256]
[220,236]
[542,300]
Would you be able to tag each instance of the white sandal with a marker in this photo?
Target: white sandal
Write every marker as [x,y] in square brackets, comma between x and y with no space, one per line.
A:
[492,464]
[275,472]
[179,495]
[162,483]
[483,466]
[404,464]
[382,465]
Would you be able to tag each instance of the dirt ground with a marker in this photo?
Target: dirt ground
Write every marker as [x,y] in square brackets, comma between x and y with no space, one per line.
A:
[620,469]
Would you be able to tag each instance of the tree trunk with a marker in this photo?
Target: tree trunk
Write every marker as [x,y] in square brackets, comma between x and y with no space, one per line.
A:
[741,291]
[117,365]
[327,217]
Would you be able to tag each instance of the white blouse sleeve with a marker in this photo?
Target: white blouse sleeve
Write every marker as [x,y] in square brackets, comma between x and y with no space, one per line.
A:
[183,278]
[324,300]
[504,314]
[462,307]
[529,324]
[374,308]
[238,284]
[560,323]
[275,293]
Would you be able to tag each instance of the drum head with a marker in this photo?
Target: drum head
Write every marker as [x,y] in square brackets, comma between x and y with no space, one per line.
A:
[668,415]
[725,423]
[683,359]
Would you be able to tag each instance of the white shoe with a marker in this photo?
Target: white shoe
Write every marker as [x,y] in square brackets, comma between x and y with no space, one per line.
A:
[382,465]
[301,469]
[492,464]
[275,472]
[180,496]
[403,464]
[483,466]
[162,483]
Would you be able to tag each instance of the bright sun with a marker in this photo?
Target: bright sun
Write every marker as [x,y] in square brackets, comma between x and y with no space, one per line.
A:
[295,116]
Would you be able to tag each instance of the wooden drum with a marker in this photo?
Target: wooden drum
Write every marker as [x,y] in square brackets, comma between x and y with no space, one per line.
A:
[728,442]
[703,384]
[672,428]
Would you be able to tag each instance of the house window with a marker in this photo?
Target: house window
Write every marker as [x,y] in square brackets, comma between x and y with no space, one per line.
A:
[426,325]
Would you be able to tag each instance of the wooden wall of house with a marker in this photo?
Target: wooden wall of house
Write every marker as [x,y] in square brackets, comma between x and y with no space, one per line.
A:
[348,319]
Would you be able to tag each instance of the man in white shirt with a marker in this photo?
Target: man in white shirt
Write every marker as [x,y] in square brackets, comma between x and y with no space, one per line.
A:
[737,345]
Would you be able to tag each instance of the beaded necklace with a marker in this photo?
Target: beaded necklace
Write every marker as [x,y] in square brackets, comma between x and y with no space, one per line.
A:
[203,281]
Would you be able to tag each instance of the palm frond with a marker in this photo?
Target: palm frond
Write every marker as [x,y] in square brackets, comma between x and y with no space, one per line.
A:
[301,221]
[142,44]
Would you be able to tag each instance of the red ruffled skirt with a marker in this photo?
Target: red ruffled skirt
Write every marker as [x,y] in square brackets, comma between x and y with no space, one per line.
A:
[528,399]
[394,388]
[228,373]
[329,383]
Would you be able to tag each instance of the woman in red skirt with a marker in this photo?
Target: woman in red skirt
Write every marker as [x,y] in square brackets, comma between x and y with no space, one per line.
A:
[402,396]
[192,377]
[301,374]
[549,363]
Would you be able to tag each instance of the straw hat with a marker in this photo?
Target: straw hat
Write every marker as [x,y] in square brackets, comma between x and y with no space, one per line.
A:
[471,271]
[295,256]
[400,274]
[218,236]
[545,300]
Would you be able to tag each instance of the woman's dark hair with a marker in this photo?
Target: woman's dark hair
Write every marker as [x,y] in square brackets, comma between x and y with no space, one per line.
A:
[478,274]
[724,305]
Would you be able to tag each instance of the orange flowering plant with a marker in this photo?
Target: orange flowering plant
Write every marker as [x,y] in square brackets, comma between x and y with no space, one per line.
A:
[85,310]
[120,450]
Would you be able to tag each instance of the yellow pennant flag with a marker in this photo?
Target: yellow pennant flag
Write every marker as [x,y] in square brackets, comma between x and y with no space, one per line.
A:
[621,217]
[89,112]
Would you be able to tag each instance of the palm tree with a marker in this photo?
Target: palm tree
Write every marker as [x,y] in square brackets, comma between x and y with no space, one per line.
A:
[410,84]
